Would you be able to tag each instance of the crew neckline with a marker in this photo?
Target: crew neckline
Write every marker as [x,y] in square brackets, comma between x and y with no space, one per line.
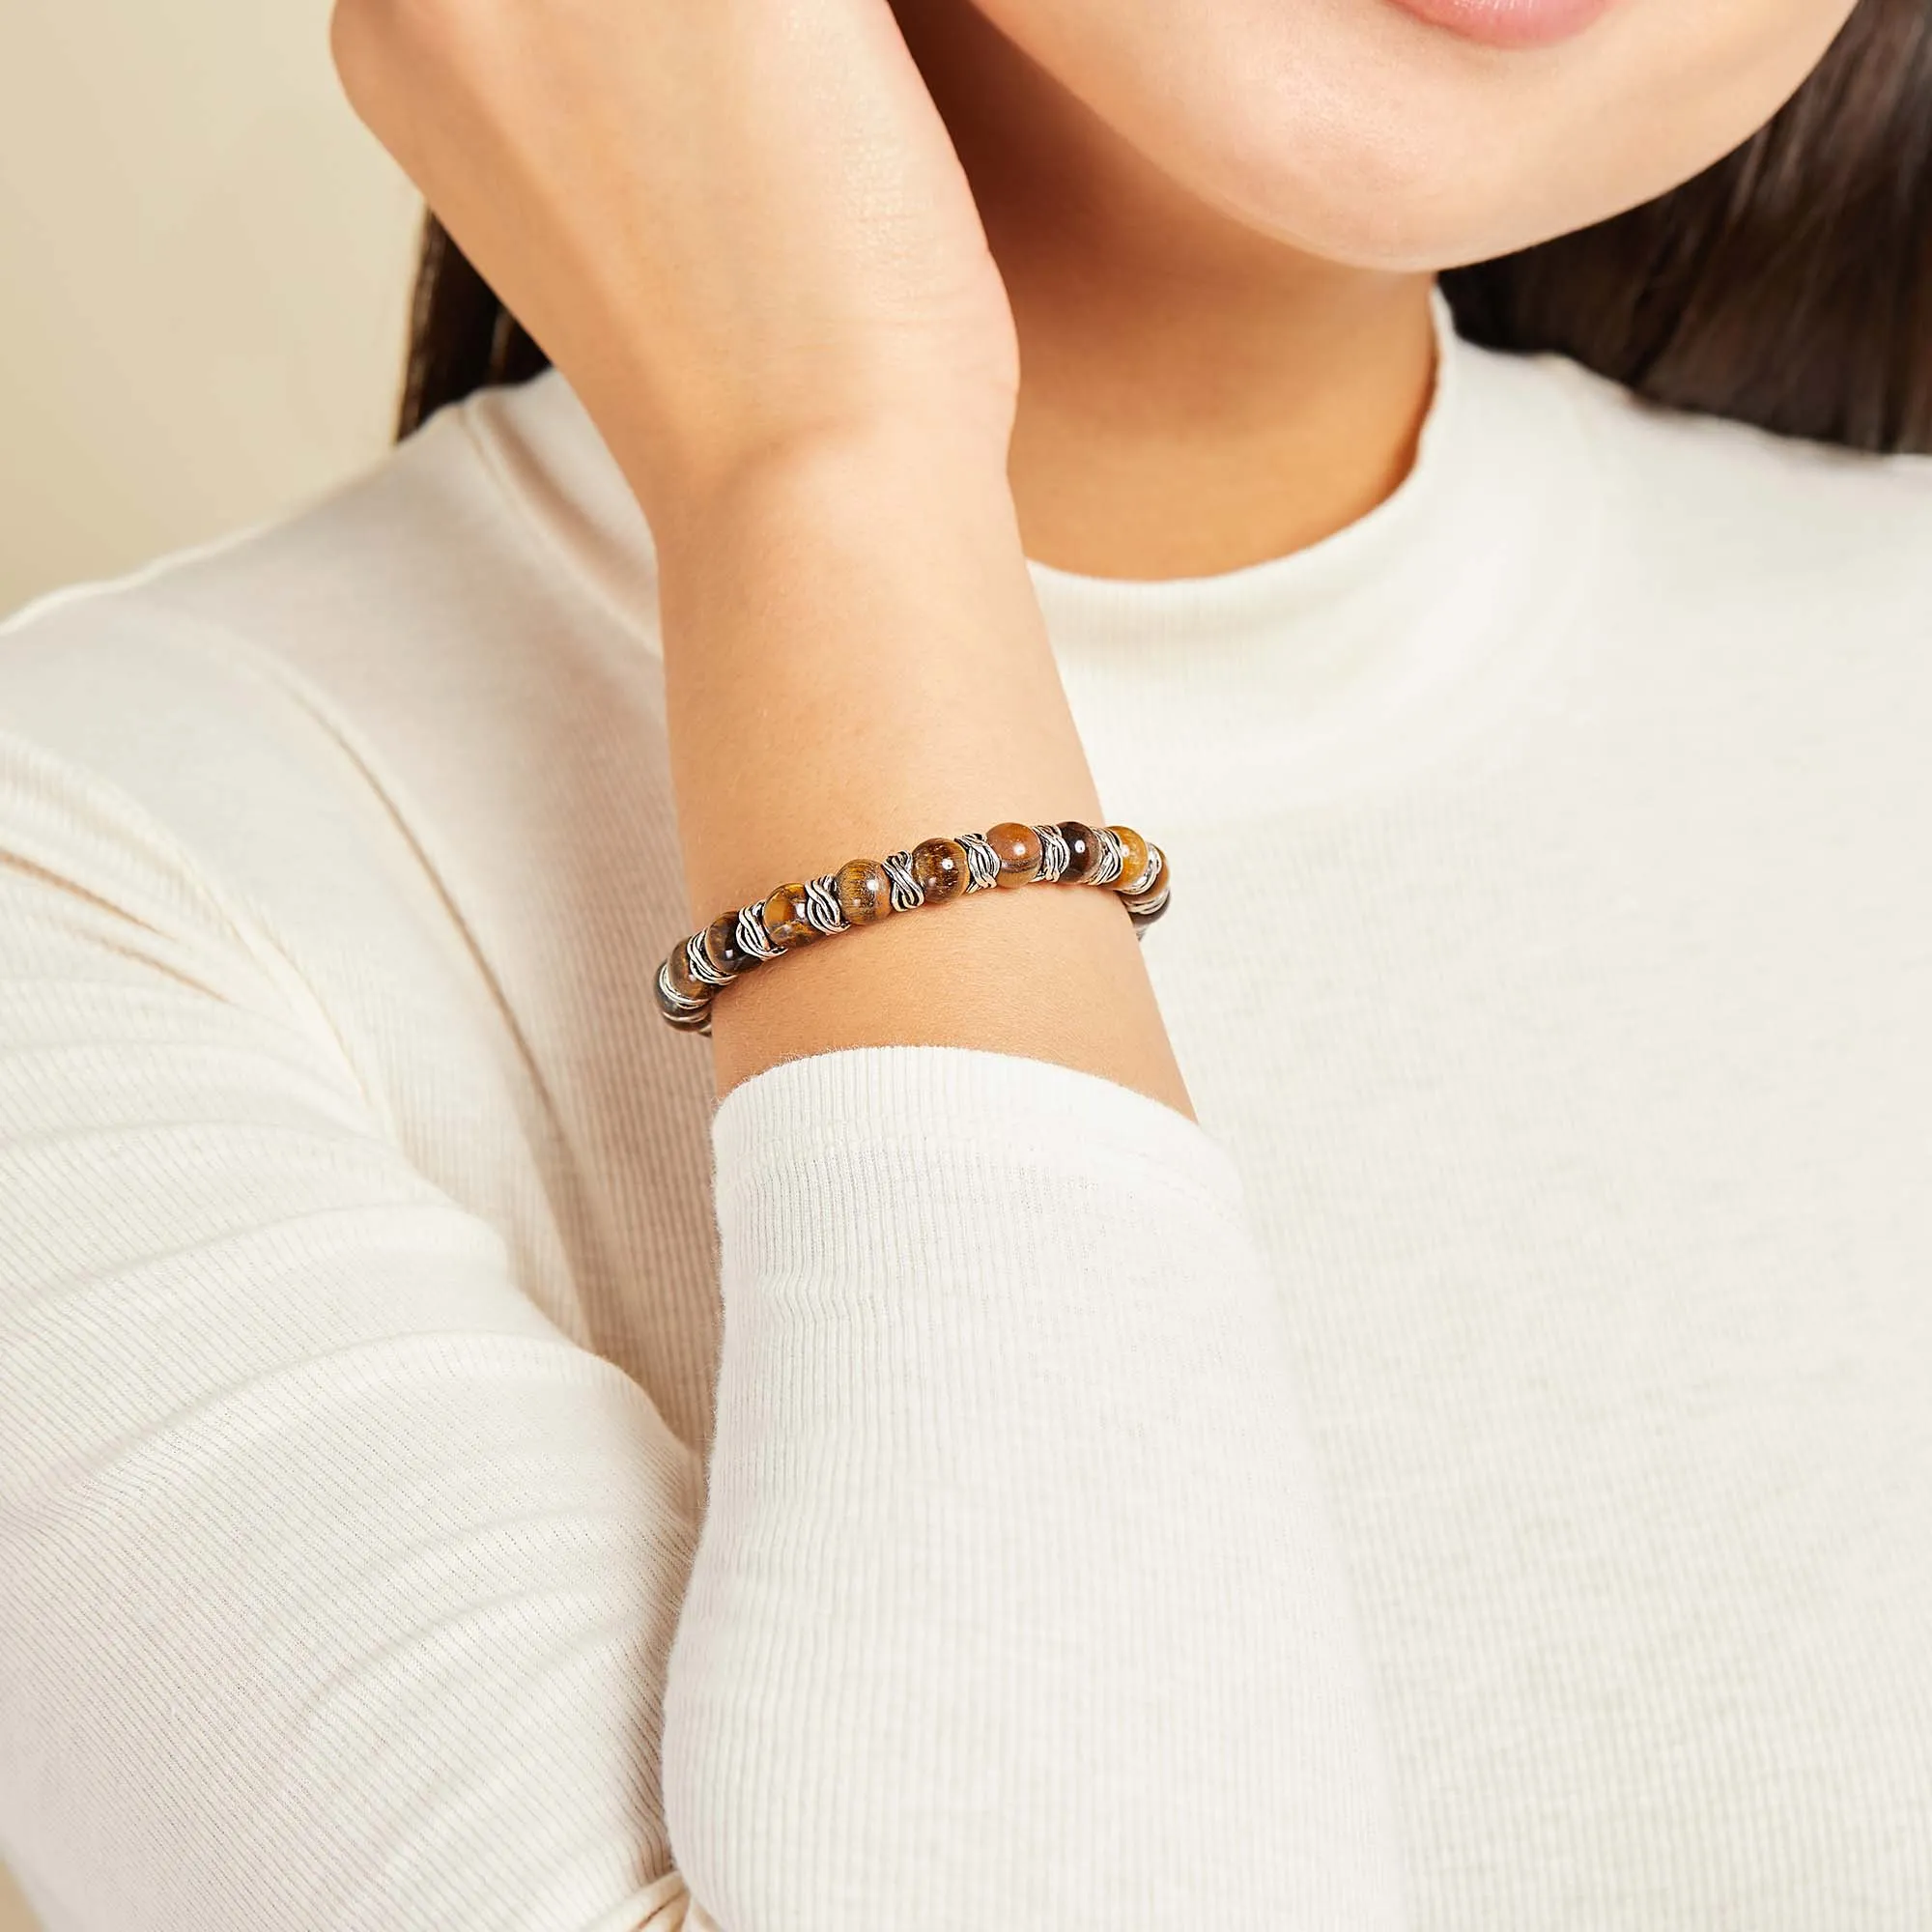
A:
[1349,664]
[1276,586]
[1286,681]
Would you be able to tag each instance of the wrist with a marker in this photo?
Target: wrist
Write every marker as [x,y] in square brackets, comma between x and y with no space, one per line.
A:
[830,468]
[847,600]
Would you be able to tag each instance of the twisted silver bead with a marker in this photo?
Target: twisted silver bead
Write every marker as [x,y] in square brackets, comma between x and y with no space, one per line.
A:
[983,861]
[678,1008]
[752,938]
[700,964]
[1156,863]
[907,893]
[1110,856]
[1144,912]
[822,910]
[1055,854]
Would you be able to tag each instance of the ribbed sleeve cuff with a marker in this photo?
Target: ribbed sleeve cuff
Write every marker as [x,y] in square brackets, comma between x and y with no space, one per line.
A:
[1014,1602]
[1015,1113]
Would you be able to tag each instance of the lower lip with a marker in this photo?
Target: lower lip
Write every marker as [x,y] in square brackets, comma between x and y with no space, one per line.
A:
[1509,23]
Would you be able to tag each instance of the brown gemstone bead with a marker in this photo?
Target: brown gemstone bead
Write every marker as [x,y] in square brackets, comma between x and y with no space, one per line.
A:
[1018,847]
[865,890]
[939,865]
[685,1017]
[785,922]
[722,947]
[1134,860]
[1083,851]
[684,982]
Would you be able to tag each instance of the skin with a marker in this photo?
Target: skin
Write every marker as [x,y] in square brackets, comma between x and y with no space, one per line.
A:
[793,256]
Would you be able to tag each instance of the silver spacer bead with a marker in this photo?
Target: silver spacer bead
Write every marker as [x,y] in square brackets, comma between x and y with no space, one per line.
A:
[982,860]
[1110,857]
[752,938]
[907,893]
[678,1008]
[1055,855]
[1157,862]
[700,965]
[822,911]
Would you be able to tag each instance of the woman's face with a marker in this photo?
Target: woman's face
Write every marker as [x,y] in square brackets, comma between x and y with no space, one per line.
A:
[1424,133]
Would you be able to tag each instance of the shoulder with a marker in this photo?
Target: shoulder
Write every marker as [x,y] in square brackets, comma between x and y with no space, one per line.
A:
[1721,512]
[364,664]
[183,697]
[335,717]
[429,554]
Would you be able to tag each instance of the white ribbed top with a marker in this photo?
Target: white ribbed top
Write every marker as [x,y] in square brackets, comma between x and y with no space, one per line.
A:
[1479,1478]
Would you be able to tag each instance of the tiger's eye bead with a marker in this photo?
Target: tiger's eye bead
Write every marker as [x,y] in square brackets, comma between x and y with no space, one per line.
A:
[865,890]
[1018,847]
[722,947]
[939,865]
[1083,851]
[1133,859]
[785,923]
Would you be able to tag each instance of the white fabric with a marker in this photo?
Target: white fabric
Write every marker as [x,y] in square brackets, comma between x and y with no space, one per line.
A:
[1481,1478]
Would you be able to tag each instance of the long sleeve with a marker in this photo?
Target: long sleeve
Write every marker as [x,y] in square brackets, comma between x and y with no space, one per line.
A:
[1575,1061]
[336,1584]
[1015,1605]
[338,1587]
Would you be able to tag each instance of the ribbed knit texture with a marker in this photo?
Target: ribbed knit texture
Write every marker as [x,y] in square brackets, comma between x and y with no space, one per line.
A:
[974,1501]
[1479,1478]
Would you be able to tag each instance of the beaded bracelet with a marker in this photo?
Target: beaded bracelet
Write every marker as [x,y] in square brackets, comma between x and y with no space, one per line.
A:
[862,891]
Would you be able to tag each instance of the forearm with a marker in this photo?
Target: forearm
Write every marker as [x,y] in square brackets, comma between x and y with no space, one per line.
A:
[1013,1602]
[854,660]
[989,1623]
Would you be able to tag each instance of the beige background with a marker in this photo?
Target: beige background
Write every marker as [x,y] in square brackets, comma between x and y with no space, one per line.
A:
[203,271]
[203,284]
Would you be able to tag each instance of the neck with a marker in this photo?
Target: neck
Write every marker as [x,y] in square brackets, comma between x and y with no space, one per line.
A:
[1195,395]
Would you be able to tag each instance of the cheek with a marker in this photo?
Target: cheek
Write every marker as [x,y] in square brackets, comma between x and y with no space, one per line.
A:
[1350,129]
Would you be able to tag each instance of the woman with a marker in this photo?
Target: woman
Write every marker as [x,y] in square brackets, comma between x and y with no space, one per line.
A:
[1477,1475]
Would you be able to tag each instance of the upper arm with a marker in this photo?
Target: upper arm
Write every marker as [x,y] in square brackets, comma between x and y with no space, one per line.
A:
[336,1584]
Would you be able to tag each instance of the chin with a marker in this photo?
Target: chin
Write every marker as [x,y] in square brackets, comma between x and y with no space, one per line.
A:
[1422,134]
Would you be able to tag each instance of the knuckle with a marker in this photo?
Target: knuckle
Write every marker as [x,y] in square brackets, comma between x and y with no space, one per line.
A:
[370,37]
[356,35]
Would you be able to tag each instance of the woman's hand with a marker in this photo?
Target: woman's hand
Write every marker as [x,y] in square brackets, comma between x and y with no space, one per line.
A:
[740,229]
[738,226]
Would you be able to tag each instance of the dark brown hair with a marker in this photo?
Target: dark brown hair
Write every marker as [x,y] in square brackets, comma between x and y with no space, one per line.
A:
[1788,286]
